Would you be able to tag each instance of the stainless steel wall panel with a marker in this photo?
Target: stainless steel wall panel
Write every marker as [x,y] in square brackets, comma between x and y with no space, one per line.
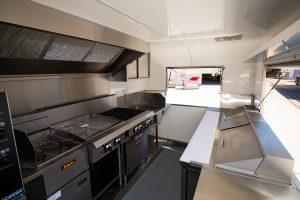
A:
[28,94]
[63,113]
[235,100]
[93,106]
[103,104]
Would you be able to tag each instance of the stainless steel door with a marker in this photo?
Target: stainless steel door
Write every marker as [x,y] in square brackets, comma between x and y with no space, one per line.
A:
[78,189]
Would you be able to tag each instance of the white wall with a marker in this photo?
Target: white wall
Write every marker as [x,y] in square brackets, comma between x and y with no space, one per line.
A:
[239,77]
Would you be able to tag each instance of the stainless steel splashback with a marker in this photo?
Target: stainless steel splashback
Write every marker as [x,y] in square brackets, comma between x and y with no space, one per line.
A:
[31,93]
[142,99]
[233,101]
[36,121]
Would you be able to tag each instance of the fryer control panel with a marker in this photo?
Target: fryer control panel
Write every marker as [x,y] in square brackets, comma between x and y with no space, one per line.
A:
[11,185]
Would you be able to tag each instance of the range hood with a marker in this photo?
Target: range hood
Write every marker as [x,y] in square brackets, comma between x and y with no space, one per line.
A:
[35,48]
[285,53]
[36,39]
[253,149]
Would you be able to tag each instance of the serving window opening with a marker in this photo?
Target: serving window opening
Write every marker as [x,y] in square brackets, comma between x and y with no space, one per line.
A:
[194,86]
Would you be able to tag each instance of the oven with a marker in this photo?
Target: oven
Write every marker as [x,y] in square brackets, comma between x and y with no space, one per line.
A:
[135,152]
[135,149]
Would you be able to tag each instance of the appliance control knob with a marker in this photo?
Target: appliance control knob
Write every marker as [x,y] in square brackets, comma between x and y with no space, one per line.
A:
[141,126]
[136,129]
[117,141]
[107,147]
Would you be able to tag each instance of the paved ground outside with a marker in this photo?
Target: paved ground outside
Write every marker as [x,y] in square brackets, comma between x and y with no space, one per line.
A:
[282,112]
[206,95]
[288,89]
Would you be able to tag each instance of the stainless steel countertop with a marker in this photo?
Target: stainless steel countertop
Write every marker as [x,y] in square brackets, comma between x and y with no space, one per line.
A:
[218,185]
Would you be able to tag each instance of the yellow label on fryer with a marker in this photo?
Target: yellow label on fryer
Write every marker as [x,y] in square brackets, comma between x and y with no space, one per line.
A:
[69,164]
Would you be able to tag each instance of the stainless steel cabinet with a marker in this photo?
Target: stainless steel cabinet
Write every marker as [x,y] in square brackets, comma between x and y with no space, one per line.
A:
[132,70]
[139,68]
[144,66]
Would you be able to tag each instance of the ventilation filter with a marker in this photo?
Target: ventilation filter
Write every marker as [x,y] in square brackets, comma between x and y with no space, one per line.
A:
[68,48]
[103,53]
[20,42]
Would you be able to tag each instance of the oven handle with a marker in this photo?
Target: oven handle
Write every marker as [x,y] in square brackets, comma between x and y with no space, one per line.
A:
[138,136]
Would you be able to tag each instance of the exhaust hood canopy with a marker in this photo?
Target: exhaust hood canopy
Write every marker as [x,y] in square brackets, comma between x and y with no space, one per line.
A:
[286,52]
[33,48]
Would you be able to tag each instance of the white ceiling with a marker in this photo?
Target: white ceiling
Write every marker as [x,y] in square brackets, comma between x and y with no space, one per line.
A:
[194,16]
[154,20]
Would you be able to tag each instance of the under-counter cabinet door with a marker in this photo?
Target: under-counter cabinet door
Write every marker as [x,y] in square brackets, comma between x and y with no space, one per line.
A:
[78,189]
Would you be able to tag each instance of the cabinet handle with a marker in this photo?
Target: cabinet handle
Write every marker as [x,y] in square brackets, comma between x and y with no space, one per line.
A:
[82,181]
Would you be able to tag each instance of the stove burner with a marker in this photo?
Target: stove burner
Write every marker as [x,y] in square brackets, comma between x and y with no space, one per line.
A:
[122,113]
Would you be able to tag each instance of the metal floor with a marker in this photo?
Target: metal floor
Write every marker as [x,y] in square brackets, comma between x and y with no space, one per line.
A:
[161,180]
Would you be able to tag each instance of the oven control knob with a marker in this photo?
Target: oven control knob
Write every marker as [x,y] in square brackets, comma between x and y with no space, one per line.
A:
[117,141]
[141,126]
[136,129]
[107,147]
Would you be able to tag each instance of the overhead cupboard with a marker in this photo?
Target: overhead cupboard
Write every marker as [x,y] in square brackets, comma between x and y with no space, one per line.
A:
[139,68]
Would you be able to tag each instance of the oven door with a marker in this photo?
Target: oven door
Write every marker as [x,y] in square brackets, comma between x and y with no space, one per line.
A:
[135,151]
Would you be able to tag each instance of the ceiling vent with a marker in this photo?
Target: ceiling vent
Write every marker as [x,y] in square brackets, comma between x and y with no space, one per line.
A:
[229,38]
